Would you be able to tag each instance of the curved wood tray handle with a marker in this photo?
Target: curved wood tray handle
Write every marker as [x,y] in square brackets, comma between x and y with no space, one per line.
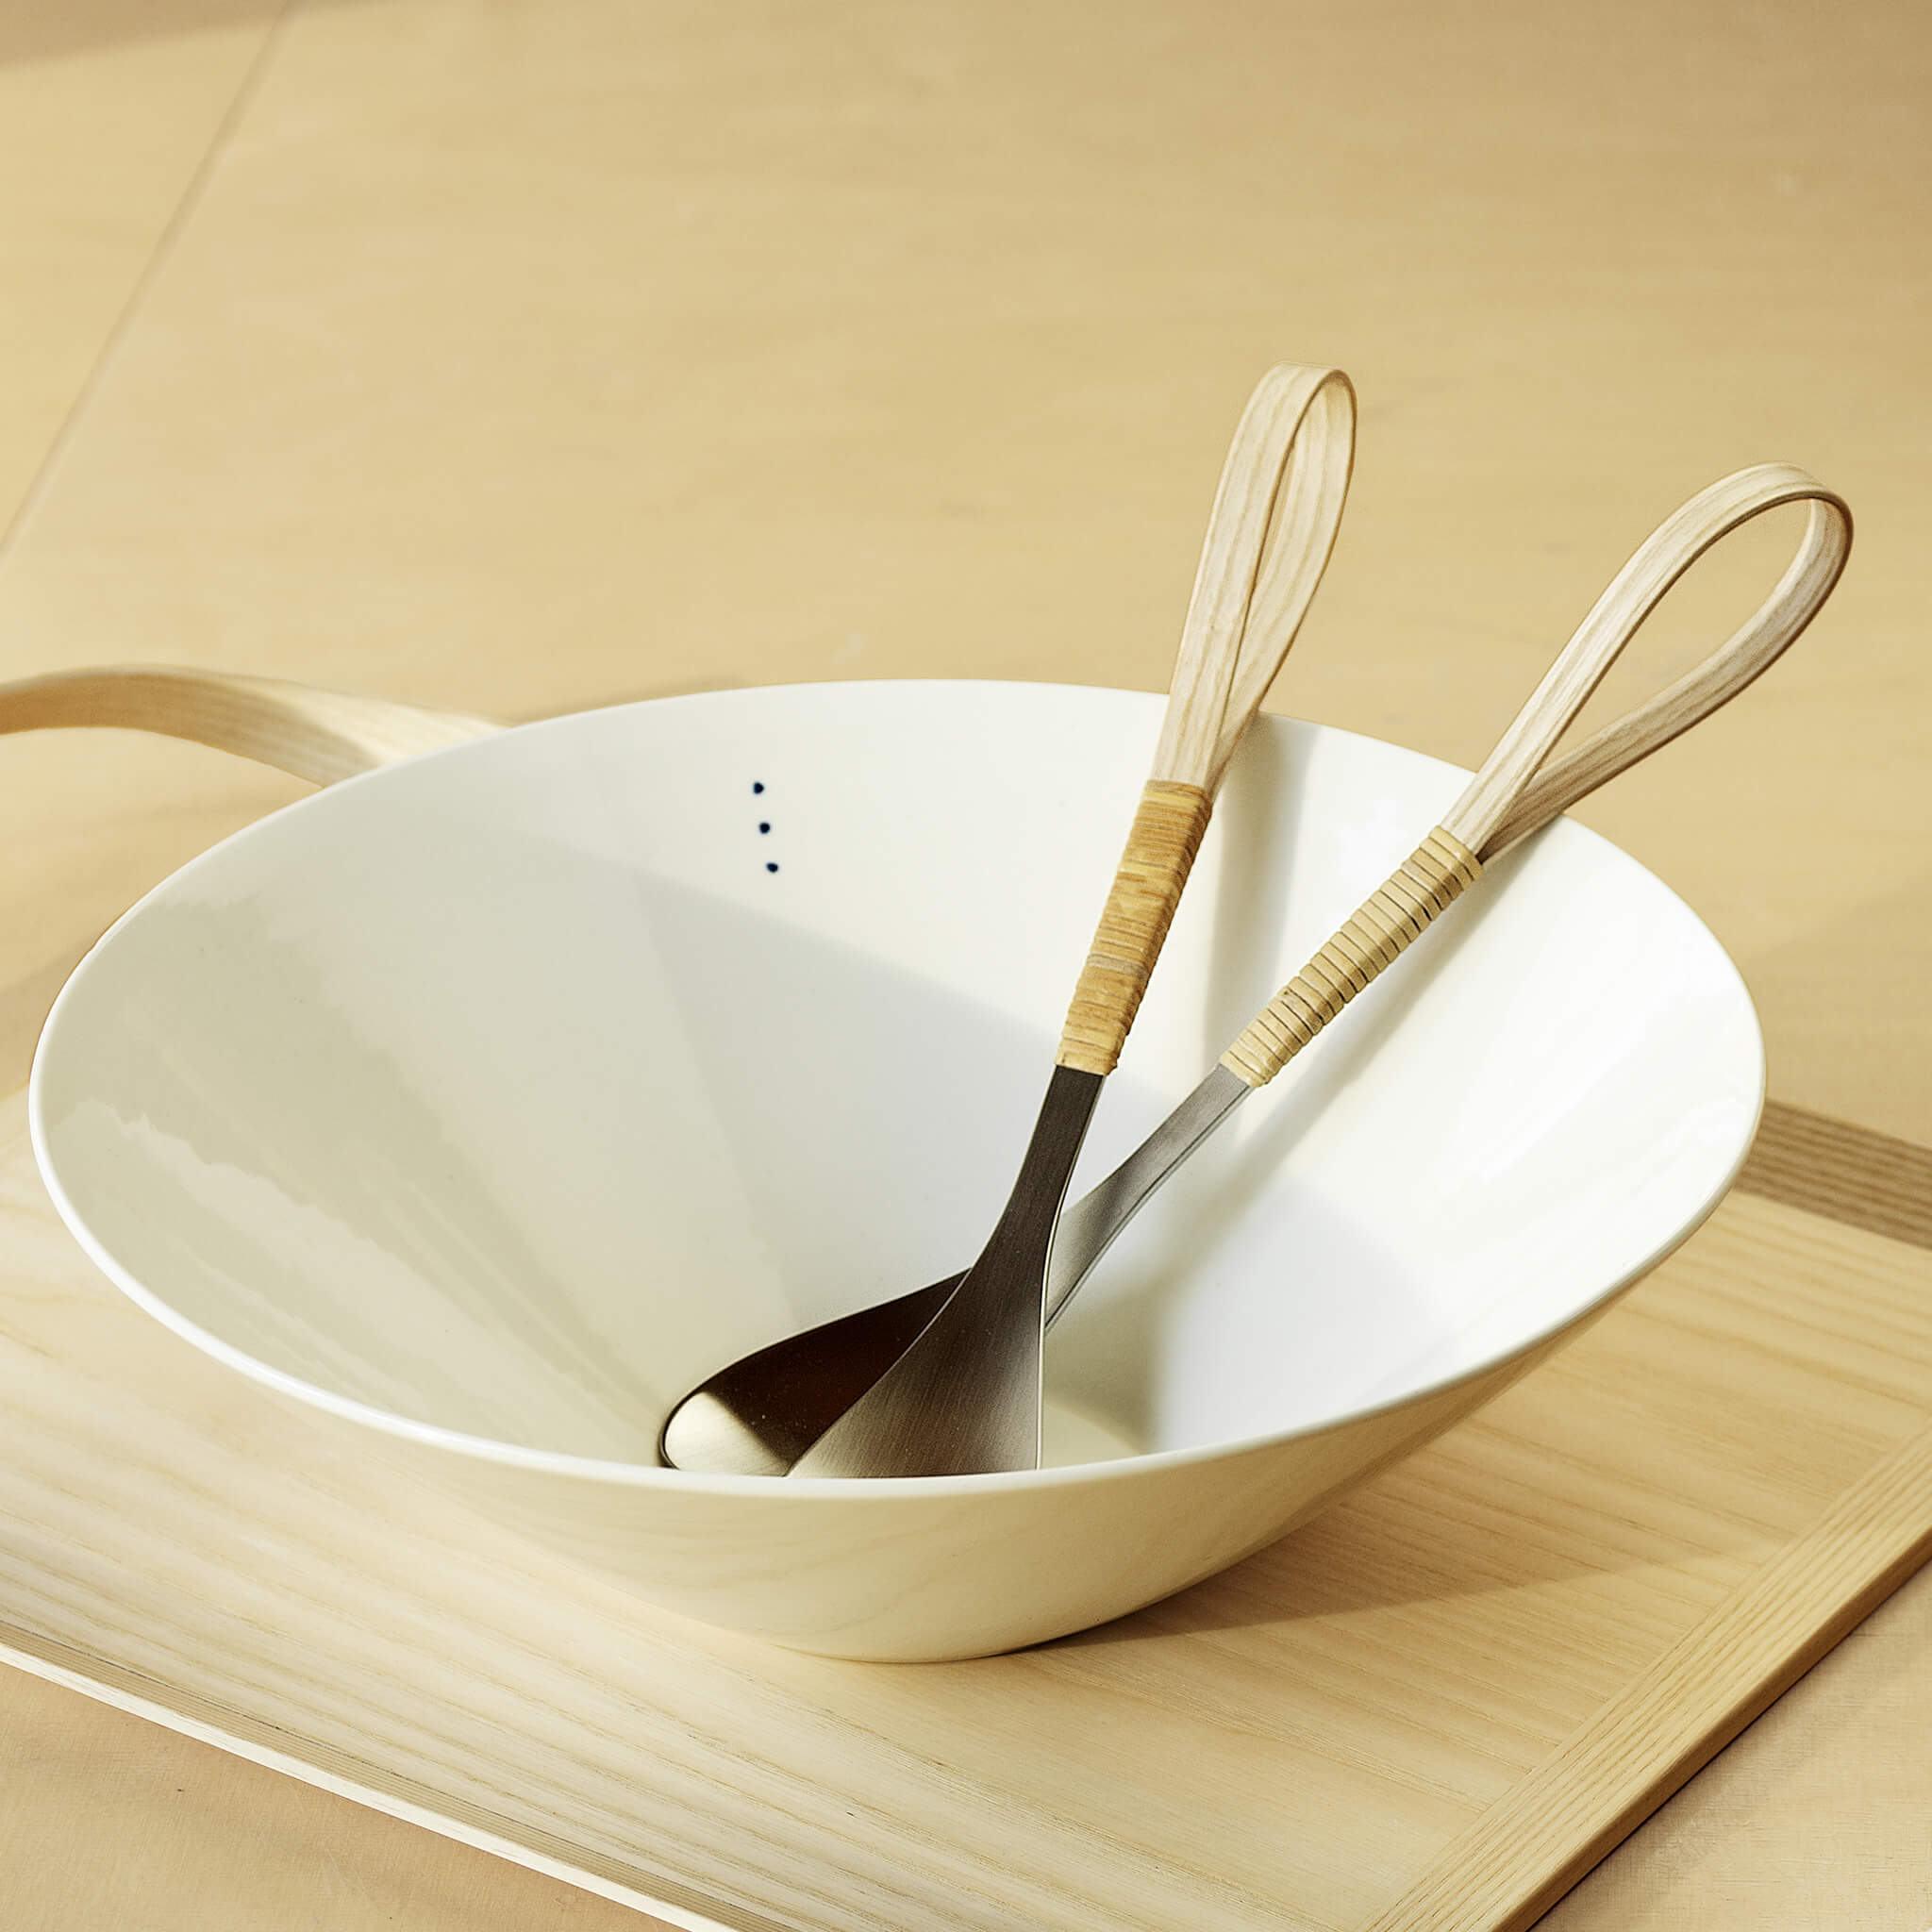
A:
[315,734]
[1507,800]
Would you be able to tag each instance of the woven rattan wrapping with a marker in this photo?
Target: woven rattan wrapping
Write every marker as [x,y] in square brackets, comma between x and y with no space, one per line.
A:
[1148,886]
[1429,880]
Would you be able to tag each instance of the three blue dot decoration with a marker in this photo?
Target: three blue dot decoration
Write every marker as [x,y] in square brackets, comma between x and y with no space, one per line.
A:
[765,825]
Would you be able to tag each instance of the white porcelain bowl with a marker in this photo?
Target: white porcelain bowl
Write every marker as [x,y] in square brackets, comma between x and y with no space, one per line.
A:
[488,1101]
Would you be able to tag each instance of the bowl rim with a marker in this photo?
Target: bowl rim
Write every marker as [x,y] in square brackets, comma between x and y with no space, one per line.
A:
[651,1475]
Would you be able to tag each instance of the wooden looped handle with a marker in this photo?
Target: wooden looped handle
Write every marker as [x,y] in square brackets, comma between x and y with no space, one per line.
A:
[315,734]
[1743,658]
[1277,510]
[1269,538]
[1507,800]
[1498,794]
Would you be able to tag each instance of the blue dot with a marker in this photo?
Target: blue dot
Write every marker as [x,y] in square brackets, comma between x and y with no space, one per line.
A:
[765,825]
[758,786]
[771,866]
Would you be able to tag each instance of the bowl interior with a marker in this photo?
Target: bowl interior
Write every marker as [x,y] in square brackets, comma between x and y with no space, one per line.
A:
[513,1089]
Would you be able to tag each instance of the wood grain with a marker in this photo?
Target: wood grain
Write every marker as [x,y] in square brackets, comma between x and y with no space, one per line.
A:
[1530,1848]
[1873,1181]
[1814,1817]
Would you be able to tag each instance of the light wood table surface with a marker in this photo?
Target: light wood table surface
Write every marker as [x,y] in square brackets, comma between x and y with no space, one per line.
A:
[556,351]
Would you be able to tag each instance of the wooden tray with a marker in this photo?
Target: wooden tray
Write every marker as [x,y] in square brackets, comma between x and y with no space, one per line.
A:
[1433,1709]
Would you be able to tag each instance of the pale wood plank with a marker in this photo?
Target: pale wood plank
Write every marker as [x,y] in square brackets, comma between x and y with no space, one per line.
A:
[1532,1846]
[167,1800]
[1812,1818]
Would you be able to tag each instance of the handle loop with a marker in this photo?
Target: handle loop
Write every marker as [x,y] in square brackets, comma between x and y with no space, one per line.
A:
[1277,510]
[1511,796]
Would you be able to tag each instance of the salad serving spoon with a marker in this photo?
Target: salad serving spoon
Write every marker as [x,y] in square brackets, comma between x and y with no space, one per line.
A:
[764,1413]
[965,1395]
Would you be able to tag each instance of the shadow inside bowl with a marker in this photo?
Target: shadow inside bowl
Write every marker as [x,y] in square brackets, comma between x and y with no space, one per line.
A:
[1166,1345]
[756,1166]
